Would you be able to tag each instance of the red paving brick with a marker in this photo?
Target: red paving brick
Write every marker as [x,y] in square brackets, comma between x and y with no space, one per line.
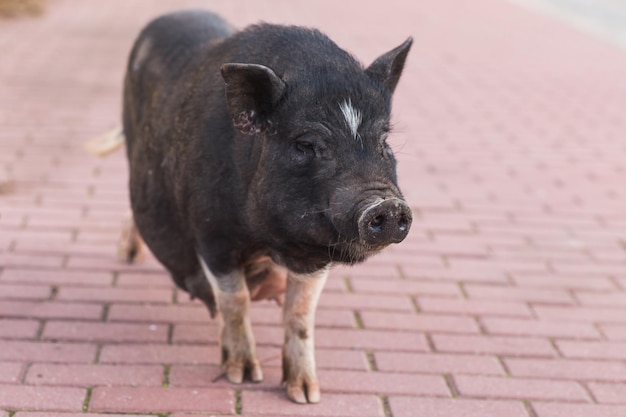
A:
[566,369]
[383,383]
[504,388]
[50,310]
[105,332]
[56,277]
[592,350]
[92,375]
[405,287]
[507,299]
[110,295]
[119,399]
[155,354]
[473,307]
[437,364]
[419,322]
[25,292]
[578,410]
[614,331]
[47,414]
[14,397]
[412,406]
[514,346]
[530,327]
[47,351]
[608,393]
[11,371]
[19,329]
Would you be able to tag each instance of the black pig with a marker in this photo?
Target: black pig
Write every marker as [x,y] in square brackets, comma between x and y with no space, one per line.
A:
[258,159]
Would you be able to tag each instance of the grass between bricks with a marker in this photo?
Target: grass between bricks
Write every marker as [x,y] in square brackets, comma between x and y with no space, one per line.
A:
[529,408]
[371,360]
[105,312]
[451,386]
[42,324]
[504,366]
[429,342]
[87,399]
[25,373]
[348,285]
[358,320]
[416,306]
[238,405]
[166,376]
[54,290]
[386,407]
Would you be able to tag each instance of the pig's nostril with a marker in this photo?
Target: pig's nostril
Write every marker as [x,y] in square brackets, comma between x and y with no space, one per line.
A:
[377,223]
[403,223]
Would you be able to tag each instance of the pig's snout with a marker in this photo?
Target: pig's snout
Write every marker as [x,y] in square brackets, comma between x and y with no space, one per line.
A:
[384,222]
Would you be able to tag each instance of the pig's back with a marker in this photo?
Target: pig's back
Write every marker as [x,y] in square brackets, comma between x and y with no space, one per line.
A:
[167,44]
[159,68]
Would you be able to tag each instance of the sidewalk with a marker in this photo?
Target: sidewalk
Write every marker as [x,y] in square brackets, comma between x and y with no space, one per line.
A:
[508,299]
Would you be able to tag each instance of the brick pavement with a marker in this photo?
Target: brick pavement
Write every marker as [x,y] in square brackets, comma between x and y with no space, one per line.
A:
[508,298]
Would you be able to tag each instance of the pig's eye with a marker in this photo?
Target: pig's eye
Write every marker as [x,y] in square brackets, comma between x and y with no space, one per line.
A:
[305,146]
[310,145]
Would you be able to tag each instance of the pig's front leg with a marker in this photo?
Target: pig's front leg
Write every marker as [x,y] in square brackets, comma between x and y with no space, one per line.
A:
[236,338]
[299,376]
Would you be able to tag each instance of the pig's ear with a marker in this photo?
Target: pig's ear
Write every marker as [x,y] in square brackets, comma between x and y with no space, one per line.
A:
[388,67]
[252,92]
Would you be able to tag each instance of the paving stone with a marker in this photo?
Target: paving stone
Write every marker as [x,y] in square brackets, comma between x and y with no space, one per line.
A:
[412,406]
[502,388]
[105,332]
[151,399]
[578,410]
[92,375]
[41,398]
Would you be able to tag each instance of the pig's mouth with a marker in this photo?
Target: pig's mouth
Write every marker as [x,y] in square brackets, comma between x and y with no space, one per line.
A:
[352,251]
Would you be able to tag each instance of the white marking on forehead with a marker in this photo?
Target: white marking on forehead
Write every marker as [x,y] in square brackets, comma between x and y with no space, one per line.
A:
[353,117]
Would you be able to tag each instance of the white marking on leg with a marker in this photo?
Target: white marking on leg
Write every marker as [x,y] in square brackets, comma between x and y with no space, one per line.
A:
[299,375]
[235,330]
[353,118]
[210,277]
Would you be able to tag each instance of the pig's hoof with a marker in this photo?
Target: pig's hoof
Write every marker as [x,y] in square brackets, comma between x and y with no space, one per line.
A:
[128,254]
[235,372]
[130,251]
[130,245]
[304,390]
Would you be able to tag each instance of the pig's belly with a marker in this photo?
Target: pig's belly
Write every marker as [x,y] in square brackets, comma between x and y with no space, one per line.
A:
[266,280]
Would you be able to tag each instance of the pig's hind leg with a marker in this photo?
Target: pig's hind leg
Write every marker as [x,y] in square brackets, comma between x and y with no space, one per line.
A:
[130,247]
[236,338]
